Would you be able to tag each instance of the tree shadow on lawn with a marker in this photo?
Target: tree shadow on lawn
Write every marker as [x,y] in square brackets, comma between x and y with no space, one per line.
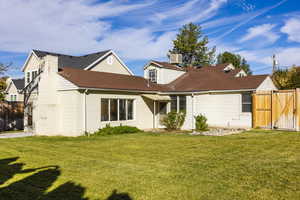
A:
[36,185]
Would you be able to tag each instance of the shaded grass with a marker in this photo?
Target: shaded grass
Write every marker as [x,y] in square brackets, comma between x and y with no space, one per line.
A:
[253,165]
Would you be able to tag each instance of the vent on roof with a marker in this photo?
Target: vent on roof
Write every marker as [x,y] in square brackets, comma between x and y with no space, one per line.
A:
[175,59]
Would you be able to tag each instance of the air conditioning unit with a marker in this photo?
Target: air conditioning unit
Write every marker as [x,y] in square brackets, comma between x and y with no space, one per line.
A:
[175,59]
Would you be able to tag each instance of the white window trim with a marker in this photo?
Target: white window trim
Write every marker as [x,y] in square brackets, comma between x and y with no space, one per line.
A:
[126,110]
[249,103]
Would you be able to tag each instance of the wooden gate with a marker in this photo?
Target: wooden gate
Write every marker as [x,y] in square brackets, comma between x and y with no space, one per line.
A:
[277,109]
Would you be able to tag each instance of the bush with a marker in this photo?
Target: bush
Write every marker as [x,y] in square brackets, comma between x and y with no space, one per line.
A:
[173,120]
[201,123]
[116,130]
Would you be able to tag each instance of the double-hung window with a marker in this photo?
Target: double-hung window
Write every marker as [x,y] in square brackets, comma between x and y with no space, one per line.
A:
[28,77]
[246,102]
[178,103]
[117,109]
[153,75]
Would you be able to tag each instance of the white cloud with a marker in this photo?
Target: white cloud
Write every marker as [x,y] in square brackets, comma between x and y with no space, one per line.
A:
[139,43]
[71,26]
[264,30]
[292,29]
[84,26]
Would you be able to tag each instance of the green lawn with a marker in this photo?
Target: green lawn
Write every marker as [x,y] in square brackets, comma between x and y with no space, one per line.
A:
[254,165]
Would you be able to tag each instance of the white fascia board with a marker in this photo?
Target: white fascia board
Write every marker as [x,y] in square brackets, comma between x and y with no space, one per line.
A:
[27,59]
[152,62]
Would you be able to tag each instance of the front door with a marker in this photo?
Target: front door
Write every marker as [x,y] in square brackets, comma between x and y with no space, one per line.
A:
[162,112]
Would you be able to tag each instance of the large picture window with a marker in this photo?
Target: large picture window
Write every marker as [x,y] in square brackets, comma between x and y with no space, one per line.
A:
[246,102]
[178,103]
[116,109]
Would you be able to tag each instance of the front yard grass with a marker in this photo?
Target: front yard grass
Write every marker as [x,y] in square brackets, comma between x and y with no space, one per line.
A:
[254,165]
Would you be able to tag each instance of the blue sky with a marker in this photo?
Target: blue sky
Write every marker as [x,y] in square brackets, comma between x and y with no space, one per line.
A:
[142,30]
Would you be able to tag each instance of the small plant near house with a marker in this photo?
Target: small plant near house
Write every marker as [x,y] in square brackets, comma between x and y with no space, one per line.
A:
[173,120]
[117,130]
[201,123]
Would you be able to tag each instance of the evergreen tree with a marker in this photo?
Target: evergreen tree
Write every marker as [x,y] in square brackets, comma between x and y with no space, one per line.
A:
[192,45]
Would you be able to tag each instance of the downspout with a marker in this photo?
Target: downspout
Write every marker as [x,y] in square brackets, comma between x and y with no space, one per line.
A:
[154,112]
[84,111]
[193,116]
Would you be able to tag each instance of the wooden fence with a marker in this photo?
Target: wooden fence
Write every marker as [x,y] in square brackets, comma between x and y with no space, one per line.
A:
[277,109]
[11,115]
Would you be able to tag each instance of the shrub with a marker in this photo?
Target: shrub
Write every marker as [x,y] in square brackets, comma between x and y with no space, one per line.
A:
[116,130]
[173,120]
[201,123]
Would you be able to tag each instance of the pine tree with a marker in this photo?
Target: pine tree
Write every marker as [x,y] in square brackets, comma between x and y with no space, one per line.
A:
[192,45]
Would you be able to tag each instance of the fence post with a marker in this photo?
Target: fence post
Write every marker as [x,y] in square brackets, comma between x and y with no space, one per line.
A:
[297,113]
[253,110]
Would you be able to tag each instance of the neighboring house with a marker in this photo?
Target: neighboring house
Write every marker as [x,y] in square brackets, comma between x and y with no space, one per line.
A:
[13,91]
[72,95]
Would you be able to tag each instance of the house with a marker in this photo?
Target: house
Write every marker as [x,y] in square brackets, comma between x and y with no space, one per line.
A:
[13,91]
[72,95]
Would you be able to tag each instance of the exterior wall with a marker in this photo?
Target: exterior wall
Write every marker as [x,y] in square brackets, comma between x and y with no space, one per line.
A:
[12,90]
[164,76]
[189,122]
[223,110]
[112,65]
[33,64]
[45,103]
[266,85]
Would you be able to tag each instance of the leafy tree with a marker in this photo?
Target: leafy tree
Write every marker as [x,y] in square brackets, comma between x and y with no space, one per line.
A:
[234,59]
[287,79]
[3,69]
[191,43]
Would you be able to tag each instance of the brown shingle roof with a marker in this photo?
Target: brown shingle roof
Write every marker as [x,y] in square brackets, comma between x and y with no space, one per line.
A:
[104,80]
[203,79]
[206,79]
[168,65]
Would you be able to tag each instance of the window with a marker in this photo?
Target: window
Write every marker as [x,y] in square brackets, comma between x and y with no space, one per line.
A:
[153,75]
[13,97]
[174,103]
[178,103]
[113,109]
[116,109]
[129,109]
[246,102]
[182,103]
[34,74]
[28,77]
[122,109]
[104,110]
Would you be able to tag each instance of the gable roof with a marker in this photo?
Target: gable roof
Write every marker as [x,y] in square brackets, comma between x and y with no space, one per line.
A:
[19,83]
[166,65]
[78,62]
[104,80]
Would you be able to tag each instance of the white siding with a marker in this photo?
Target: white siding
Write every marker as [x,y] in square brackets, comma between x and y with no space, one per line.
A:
[164,76]
[64,84]
[110,64]
[224,110]
[266,85]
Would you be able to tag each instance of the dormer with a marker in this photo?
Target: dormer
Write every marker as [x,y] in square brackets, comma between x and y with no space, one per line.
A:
[229,68]
[162,72]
